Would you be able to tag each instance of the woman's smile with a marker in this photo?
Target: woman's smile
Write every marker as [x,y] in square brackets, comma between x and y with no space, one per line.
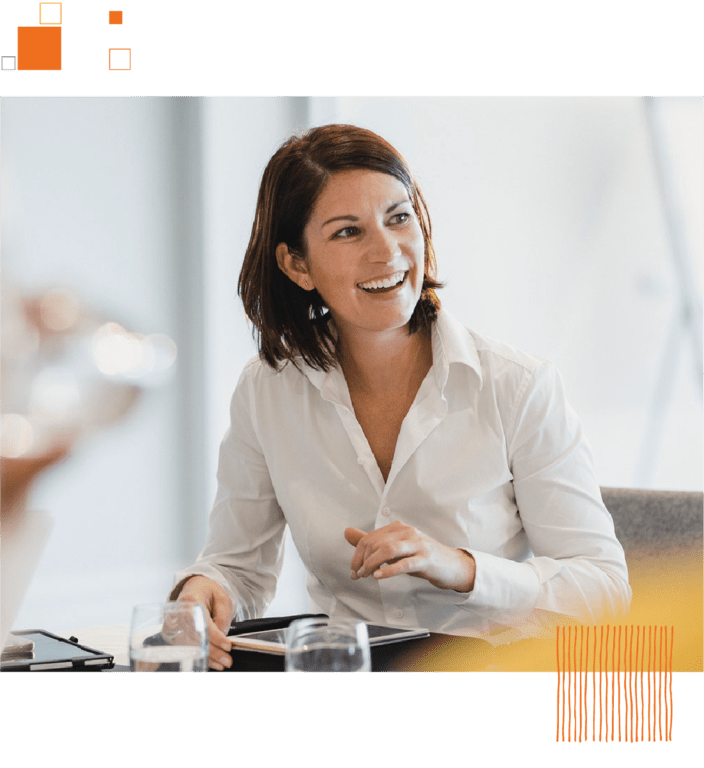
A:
[379,285]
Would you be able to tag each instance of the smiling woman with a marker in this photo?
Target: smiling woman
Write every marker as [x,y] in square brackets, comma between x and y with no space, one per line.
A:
[308,178]
[394,443]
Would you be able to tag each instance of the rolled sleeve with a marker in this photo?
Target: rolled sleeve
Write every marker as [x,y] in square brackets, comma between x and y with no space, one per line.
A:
[579,563]
[244,549]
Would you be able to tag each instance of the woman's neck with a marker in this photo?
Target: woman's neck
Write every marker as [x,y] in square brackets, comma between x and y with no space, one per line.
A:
[385,362]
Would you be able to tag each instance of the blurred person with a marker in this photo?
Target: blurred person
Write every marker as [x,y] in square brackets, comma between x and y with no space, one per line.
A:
[18,475]
[431,477]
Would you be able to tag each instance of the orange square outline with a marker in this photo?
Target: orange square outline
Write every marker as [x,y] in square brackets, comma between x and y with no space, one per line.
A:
[52,23]
[115,13]
[119,69]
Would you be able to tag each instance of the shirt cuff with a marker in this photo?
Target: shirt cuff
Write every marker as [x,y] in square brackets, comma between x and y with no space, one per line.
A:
[209,572]
[503,589]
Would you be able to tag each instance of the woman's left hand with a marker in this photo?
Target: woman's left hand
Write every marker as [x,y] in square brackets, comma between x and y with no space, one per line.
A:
[399,548]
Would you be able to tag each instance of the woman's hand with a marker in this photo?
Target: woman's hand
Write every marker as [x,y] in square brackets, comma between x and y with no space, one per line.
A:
[399,548]
[218,609]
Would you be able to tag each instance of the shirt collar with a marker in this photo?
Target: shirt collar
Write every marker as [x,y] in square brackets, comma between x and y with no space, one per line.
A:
[452,343]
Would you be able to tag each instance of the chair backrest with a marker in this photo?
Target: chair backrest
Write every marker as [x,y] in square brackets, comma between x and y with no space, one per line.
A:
[651,523]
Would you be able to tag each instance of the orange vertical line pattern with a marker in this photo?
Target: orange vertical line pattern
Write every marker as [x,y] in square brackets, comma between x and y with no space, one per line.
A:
[569,685]
[585,706]
[600,682]
[672,702]
[579,676]
[617,672]
[558,693]
[610,680]
[618,681]
[660,688]
[586,682]
[642,707]
[577,692]
[613,681]
[639,670]
[645,685]
[636,713]
[606,685]
[594,688]
[628,665]
[650,684]
[617,686]
[657,679]
[633,672]
[667,708]
[563,682]
[582,667]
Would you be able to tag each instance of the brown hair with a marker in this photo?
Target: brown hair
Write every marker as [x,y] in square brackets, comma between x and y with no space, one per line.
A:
[288,320]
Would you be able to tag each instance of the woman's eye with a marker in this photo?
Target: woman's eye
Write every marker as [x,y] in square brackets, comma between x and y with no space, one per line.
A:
[346,232]
[400,218]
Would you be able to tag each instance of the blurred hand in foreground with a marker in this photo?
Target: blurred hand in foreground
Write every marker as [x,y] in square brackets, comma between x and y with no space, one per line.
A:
[18,475]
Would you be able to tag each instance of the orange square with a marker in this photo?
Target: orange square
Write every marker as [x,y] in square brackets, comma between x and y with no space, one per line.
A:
[54,23]
[128,68]
[38,47]
[115,17]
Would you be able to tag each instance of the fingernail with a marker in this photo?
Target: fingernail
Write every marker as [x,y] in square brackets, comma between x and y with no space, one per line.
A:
[353,574]
[225,661]
[360,572]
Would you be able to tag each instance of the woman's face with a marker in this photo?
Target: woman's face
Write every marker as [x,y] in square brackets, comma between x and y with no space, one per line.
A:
[365,251]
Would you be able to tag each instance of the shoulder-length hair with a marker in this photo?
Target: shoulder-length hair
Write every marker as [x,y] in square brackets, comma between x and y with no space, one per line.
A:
[287,320]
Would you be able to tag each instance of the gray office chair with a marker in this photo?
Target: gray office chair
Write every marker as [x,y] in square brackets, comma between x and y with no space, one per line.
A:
[651,523]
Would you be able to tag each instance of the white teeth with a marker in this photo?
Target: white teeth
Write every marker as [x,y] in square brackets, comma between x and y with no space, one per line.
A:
[387,282]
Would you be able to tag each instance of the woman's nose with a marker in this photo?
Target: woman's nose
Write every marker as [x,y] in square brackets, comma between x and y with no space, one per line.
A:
[383,246]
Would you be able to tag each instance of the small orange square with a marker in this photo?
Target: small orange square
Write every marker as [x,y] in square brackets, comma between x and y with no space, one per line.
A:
[115,17]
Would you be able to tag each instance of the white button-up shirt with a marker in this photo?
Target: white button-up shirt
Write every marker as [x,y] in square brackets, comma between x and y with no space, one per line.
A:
[490,458]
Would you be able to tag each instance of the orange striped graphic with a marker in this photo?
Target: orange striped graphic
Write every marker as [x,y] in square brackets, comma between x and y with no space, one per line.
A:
[633,660]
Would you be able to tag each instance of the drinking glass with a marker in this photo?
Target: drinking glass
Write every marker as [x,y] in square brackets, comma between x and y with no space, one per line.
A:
[169,637]
[327,645]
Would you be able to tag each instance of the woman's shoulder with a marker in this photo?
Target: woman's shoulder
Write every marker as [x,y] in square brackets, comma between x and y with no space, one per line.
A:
[488,353]
[260,379]
[500,352]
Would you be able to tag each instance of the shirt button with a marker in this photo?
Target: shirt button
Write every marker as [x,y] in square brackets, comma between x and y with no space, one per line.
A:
[386,511]
[399,613]
[360,461]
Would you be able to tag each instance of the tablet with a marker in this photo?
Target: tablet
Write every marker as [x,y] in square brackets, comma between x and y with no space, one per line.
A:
[43,651]
[274,640]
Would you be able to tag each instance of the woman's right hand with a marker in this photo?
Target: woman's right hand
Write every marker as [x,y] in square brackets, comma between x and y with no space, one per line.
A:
[218,609]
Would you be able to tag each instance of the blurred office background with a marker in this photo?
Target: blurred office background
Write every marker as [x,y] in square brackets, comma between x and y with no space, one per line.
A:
[569,227]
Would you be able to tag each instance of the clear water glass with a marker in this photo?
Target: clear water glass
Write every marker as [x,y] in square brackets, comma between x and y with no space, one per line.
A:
[169,637]
[327,645]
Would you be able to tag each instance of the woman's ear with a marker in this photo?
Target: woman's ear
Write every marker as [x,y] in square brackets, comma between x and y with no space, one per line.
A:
[293,267]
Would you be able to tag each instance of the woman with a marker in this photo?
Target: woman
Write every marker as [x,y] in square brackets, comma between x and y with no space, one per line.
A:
[430,477]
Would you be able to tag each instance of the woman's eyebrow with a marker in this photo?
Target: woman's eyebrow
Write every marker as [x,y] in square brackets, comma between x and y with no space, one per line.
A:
[349,217]
[339,218]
